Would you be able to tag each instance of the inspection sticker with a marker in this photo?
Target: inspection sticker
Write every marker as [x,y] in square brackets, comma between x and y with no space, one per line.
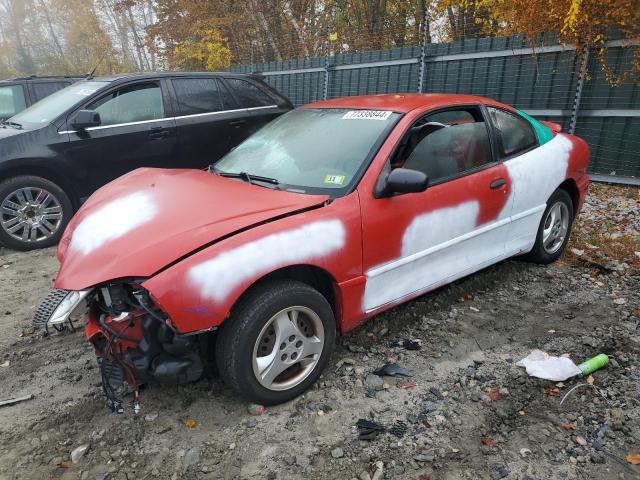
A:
[334,179]
[367,115]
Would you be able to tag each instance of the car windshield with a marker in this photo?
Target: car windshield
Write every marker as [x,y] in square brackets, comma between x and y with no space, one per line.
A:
[11,100]
[51,107]
[311,150]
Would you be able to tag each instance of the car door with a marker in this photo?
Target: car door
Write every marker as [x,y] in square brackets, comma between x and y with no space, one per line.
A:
[532,184]
[413,243]
[137,130]
[208,119]
[261,105]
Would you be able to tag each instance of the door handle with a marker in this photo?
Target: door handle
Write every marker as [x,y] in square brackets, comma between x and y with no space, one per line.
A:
[500,182]
[158,132]
[237,123]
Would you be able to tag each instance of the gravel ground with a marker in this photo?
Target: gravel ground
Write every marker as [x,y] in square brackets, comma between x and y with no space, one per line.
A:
[468,412]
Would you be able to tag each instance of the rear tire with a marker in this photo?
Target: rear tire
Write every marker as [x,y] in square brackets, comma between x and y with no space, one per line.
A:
[554,229]
[33,212]
[281,326]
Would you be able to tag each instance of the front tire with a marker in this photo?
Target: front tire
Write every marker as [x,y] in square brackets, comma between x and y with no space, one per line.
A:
[554,229]
[33,212]
[276,342]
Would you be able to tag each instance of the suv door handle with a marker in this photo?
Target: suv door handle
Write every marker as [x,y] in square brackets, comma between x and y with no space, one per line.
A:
[158,132]
[500,182]
[237,123]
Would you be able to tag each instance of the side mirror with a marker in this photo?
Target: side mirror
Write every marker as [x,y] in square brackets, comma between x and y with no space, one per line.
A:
[86,119]
[404,180]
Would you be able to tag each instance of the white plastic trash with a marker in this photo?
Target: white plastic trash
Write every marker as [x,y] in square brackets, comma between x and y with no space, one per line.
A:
[540,364]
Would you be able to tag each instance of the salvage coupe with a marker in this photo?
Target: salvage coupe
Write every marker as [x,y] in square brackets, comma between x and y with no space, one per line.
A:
[327,216]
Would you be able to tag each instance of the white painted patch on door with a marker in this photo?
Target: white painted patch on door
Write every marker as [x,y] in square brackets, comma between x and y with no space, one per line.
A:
[422,260]
[112,221]
[218,277]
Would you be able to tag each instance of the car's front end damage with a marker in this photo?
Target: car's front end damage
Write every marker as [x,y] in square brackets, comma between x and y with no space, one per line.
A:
[117,258]
[135,342]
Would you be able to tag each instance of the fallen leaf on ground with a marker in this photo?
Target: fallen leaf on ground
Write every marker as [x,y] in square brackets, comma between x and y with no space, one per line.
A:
[190,423]
[633,458]
[569,426]
[65,464]
[494,394]
[620,301]
[521,413]
[552,391]
[590,380]
[489,442]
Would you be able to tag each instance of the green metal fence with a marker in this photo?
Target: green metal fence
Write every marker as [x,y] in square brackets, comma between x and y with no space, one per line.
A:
[547,81]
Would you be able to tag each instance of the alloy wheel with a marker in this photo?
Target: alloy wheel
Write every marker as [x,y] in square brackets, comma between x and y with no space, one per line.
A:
[288,348]
[556,226]
[30,214]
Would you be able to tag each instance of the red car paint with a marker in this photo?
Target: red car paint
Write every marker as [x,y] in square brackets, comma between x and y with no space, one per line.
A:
[225,214]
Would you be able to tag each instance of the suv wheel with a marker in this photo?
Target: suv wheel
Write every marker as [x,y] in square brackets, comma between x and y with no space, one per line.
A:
[33,212]
[276,342]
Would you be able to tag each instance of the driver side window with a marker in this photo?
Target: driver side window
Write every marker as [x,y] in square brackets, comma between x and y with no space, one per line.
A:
[446,144]
[133,103]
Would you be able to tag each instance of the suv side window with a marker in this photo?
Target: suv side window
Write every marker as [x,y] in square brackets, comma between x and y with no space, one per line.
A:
[12,100]
[133,103]
[444,145]
[248,94]
[44,89]
[514,133]
[199,95]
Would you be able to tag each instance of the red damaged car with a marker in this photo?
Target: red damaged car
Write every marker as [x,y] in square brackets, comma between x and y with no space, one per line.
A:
[327,216]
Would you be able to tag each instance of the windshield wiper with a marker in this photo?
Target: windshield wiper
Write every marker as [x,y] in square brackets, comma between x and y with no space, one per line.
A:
[12,124]
[248,178]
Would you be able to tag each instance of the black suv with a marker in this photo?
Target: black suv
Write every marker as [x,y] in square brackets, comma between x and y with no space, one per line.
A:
[19,93]
[54,154]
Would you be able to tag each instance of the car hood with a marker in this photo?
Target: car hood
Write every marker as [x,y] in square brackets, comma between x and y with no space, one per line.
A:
[6,132]
[142,222]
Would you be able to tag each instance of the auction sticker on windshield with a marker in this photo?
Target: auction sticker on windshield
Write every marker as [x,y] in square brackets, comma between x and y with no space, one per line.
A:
[334,179]
[367,115]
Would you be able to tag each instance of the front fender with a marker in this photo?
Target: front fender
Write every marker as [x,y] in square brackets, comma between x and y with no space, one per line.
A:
[198,292]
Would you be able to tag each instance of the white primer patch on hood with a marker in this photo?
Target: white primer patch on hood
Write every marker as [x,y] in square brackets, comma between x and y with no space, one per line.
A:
[218,277]
[112,221]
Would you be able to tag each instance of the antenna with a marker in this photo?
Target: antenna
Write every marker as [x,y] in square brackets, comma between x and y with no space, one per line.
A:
[90,75]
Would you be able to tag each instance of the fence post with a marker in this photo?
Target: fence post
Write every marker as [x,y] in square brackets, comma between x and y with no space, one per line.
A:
[578,95]
[423,50]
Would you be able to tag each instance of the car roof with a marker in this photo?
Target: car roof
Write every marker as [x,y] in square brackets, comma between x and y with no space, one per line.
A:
[404,102]
[43,77]
[150,75]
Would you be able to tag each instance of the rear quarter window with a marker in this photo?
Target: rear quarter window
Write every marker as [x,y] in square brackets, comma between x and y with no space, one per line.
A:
[514,133]
[248,94]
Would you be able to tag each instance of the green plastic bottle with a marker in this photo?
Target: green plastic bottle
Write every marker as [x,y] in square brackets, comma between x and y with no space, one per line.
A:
[593,364]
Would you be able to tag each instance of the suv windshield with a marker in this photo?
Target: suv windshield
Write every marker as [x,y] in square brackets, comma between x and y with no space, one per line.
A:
[51,107]
[11,100]
[312,150]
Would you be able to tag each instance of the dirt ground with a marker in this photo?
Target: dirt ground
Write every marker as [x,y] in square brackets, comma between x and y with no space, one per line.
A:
[469,411]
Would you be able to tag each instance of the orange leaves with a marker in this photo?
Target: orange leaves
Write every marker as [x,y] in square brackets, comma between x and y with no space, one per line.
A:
[633,458]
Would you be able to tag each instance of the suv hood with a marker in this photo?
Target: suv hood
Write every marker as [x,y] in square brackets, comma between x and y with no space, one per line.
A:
[147,219]
[6,131]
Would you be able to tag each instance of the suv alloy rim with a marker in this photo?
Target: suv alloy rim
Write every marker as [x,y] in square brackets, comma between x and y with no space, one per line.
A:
[30,214]
[288,348]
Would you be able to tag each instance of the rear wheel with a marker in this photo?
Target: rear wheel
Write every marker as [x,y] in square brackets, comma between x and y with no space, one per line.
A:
[33,212]
[276,342]
[554,229]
